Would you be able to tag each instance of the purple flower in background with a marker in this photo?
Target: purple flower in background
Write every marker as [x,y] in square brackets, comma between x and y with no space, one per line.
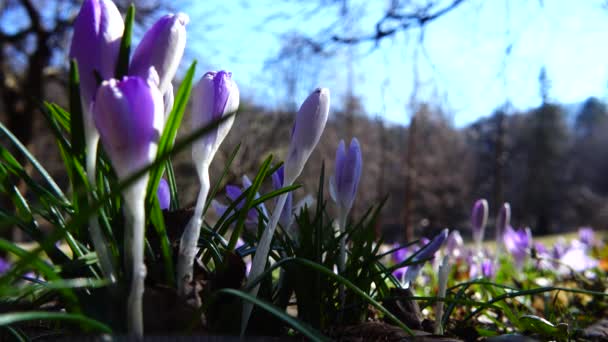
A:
[502,222]
[163,194]
[5,265]
[454,246]
[344,182]
[587,236]
[517,243]
[233,192]
[577,259]
[98,29]
[286,218]
[214,96]
[479,219]
[309,125]
[161,47]
[129,117]
[426,252]
[397,257]
[485,268]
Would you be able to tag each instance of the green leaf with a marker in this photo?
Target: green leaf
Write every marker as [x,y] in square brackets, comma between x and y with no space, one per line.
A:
[34,162]
[158,221]
[16,317]
[303,328]
[172,125]
[76,119]
[122,65]
[327,272]
[538,325]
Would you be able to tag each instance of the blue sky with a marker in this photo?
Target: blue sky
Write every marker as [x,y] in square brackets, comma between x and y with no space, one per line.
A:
[462,63]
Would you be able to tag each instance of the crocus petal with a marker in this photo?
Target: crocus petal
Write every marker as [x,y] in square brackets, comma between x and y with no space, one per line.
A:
[479,218]
[168,100]
[98,29]
[309,125]
[161,47]
[454,246]
[347,174]
[129,117]
[214,96]
[219,208]
[163,194]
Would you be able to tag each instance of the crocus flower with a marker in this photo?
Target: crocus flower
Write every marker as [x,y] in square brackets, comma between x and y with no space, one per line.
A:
[214,96]
[233,193]
[502,222]
[518,243]
[343,187]
[344,182]
[162,47]
[95,46]
[98,29]
[479,219]
[577,259]
[587,236]
[129,116]
[454,246]
[310,123]
[399,256]
[306,132]
[426,252]
[4,265]
[286,219]
[163,194]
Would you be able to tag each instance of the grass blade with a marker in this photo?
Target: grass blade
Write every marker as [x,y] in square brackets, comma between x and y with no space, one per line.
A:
[16,317]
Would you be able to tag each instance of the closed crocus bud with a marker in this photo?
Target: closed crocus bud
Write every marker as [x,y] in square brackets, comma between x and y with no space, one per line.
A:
[98,29]
[306,132]
[479,218]
[343,184]
[214,96]
[161,47]
[163,194]
[129,116]
[502,221]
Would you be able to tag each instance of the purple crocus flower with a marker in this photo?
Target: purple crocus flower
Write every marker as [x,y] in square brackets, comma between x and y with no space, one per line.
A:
[518,243]
[454,246]
[577,259]
[162,47]
[310,123]
[5,265]
[397,257]
[479,219]
[484,267]
[163,194]
[129,117]
[286,219]
[426,252]
[502,222]
[98,29]
[344,182]
[587,236]
[214,96]
[233,192]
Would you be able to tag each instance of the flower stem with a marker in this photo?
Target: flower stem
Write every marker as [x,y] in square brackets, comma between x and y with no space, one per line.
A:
[99,242]
[136,216]
[189,239]
[342,215]
[261,255]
